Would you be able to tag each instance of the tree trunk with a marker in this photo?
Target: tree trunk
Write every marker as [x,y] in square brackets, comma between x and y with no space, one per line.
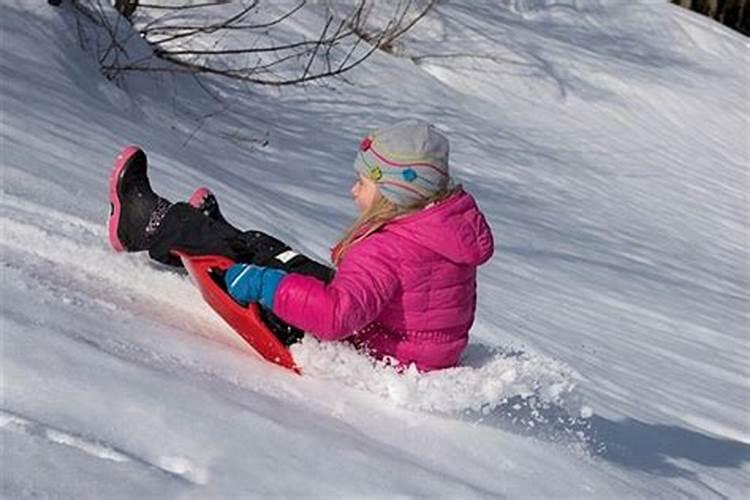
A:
[126,7]
[732,13]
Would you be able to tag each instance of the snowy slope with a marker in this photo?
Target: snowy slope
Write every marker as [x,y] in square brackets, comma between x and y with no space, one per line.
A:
[607,142]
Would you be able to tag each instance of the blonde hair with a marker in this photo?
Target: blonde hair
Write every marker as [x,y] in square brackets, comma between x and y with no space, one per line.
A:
[378,215]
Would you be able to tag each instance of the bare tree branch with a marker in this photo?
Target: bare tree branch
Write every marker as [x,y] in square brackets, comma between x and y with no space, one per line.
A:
[184,7]
[193,48]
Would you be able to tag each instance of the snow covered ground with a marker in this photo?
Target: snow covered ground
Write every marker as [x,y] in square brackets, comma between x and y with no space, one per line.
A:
[607,142]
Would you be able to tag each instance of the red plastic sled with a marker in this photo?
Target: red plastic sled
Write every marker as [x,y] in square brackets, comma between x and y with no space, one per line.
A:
[246,321]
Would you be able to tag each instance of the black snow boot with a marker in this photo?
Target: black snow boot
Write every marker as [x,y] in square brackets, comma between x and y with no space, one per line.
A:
[205,201]
[135,210]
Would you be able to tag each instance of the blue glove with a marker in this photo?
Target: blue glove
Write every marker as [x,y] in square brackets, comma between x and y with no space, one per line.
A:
[248,283]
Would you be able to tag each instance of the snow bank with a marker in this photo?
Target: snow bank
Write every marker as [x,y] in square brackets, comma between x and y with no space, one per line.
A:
[603,140]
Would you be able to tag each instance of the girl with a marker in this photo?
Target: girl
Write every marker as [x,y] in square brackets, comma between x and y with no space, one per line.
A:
[405,280]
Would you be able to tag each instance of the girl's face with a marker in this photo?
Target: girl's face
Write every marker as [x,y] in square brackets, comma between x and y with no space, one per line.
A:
[364,192]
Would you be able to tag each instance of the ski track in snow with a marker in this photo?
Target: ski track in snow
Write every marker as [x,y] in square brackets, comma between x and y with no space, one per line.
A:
[178,467]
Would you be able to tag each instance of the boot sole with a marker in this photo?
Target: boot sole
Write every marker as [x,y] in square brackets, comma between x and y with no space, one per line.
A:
[198,196]
[123,160]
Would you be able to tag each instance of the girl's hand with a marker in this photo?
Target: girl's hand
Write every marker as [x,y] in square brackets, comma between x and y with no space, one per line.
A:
[248,283]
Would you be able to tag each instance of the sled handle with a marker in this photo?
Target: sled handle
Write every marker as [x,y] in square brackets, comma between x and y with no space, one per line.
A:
[246,321]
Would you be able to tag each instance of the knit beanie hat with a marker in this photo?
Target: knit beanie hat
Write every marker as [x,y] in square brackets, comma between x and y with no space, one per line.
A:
[407,160]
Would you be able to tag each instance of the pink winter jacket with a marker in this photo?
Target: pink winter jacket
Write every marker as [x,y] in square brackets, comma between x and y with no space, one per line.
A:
[407,291]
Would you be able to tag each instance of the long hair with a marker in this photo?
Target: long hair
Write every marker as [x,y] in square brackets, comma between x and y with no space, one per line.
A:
[378,215]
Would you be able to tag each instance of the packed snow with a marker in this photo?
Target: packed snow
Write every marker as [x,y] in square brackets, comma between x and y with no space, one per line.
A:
[606,141]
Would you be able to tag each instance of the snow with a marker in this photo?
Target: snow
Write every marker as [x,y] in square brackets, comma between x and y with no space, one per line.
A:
[606,141]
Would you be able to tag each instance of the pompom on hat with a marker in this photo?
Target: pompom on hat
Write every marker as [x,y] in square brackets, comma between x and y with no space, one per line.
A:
[407,160]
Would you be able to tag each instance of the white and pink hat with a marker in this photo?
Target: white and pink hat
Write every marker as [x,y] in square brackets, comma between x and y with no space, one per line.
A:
[407,160]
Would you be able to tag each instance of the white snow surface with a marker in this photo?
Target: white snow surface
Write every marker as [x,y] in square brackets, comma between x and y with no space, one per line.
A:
[606,141]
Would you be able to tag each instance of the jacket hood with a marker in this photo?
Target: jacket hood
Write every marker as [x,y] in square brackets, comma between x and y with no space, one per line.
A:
[454,228]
